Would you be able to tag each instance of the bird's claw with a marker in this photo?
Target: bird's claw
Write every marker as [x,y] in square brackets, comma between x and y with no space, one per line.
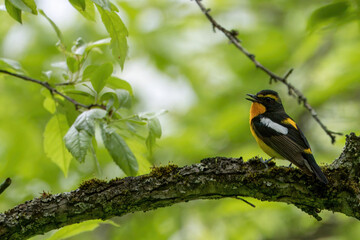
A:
[265,162]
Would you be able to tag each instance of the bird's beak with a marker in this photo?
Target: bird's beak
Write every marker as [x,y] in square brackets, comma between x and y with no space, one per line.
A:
[253,98]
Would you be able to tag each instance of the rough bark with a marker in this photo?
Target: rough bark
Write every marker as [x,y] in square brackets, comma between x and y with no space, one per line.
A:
[213,178]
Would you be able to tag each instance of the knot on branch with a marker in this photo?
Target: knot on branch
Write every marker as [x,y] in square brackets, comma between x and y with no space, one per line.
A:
[350,156]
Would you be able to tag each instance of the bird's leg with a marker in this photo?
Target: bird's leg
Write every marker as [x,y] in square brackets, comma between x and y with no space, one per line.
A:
[290,165]
[265,162]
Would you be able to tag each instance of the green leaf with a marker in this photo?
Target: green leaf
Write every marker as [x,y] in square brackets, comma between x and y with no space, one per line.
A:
[124,98]
[113,7]
[78,4]
[32,5]
[13,11]
[77,142]
[78,138]
[98,75]
[85,8]
[79,47]
[85,121]
[21,5]
[119,150]
[119,83]
[150,142]
[85,87]
[154,132]
[53,142]
[99,43]
[49,104]
[75,229]
[104,4]
[327,13]
[72,64]
[155,127]
[55,27]
[9,64]
[118,33]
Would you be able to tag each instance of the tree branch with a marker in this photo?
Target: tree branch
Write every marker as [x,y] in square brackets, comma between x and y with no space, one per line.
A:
[233,37]
[52,90]
[5,185]
[213,178]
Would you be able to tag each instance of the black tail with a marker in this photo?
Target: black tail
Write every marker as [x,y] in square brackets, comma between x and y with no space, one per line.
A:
[315,168]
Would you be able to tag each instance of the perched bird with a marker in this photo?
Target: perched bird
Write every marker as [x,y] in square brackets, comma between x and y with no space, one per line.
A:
[278,135]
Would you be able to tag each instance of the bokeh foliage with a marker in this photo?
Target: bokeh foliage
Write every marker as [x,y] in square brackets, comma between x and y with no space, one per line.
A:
[176,62]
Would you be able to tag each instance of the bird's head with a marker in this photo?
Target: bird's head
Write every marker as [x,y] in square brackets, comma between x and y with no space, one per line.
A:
[269,99]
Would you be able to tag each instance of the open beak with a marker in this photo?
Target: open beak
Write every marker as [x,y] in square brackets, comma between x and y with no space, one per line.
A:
[253,98]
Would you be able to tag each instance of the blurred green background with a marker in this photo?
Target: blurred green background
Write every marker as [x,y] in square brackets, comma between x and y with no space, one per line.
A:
[176,62]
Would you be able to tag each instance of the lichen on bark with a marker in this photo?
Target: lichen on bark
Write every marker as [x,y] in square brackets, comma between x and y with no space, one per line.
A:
[212,178]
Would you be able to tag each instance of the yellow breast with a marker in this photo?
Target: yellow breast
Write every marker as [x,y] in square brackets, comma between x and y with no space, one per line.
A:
[255,110]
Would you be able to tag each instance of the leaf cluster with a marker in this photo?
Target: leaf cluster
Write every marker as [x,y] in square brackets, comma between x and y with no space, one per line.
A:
[109,120]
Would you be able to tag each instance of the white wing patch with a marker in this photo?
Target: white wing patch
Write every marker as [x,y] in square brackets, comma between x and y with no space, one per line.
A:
[273,125]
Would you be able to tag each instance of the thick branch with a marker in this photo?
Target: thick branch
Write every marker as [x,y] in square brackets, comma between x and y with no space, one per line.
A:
[213,178]
[232,36]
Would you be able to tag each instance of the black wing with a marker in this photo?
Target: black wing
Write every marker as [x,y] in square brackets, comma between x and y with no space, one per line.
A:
[287,145]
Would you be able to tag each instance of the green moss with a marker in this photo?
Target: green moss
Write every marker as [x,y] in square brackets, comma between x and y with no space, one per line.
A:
[92,183]
[163,170]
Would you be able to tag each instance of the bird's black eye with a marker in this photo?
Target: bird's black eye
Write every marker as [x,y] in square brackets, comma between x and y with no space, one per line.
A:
[267,99]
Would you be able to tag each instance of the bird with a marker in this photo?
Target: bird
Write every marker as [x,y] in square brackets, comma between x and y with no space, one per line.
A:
[278,135]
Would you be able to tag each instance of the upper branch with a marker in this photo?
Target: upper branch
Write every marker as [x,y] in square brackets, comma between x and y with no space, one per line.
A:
[232,36]
[51,89]
[5,185]
[213,178]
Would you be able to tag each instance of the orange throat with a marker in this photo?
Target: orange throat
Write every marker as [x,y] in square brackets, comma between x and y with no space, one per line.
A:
[256,109]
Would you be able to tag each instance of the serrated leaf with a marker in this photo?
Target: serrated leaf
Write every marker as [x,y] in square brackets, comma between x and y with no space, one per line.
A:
[104,4]
[75,229]
[88,11]
[32,5]
[98,75]
[78,138]
[118,33]
[55,27]
[116,82]
[53,142]
[119,150]
[323,15]
[13,11]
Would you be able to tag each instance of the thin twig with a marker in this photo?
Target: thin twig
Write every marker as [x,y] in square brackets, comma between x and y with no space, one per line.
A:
[245,201]
[52,90]
[5,185]
[232,36]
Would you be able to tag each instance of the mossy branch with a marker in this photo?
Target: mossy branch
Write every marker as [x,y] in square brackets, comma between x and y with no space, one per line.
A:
[213,178]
